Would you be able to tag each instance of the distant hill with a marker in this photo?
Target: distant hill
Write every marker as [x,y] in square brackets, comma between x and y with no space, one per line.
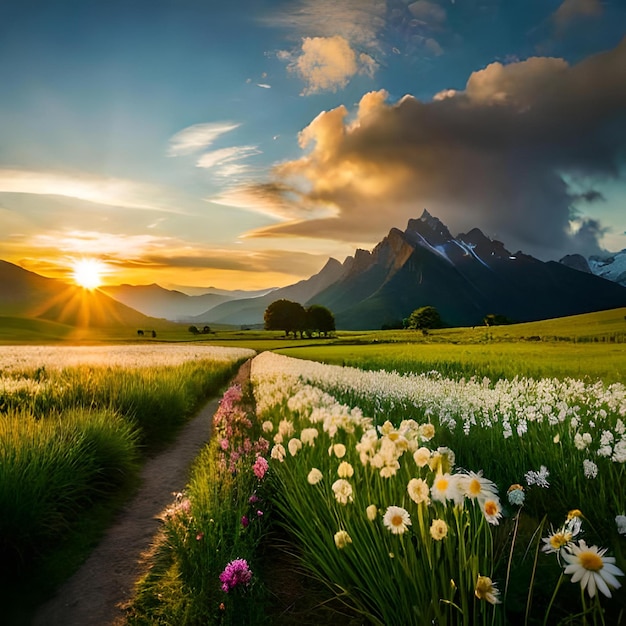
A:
[156,301]
[464,277]
[29,295]
[249,311]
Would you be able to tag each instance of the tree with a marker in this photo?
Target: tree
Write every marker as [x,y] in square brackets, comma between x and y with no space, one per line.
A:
[285,315]
[194,330]
[424,318]
[319,319]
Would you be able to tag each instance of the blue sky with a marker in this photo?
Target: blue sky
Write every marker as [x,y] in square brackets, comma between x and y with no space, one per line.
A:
[195,142]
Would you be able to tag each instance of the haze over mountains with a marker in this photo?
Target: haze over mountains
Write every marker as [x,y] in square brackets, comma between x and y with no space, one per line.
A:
[466,277]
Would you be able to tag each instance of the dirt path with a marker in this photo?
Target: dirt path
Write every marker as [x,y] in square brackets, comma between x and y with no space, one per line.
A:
[97,591]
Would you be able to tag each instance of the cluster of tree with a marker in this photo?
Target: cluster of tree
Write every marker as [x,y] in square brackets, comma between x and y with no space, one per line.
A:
[194,330]
[292,317]
[141,333]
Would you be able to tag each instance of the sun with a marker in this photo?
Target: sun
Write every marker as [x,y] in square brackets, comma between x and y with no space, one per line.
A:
[87,273]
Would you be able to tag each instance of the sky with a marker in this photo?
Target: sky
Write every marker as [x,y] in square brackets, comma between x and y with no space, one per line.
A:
[197,143]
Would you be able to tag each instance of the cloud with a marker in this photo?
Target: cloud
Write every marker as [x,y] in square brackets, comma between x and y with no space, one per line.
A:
[328,64]
[195,138]
[428,12]
[357,21]
[502,155]
[226,155]
[97,189]
[571,10]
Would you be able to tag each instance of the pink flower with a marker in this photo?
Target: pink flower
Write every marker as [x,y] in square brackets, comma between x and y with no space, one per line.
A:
[199,536]
[245,521]
[260,467]
[235,573]
[224,444]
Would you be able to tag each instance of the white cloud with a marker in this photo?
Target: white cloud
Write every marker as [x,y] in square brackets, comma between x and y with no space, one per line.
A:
[98,189]
[226,155]
[199,136]
[328,64]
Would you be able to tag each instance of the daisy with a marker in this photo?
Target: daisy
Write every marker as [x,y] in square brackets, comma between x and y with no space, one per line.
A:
[476,486]
[397,520]
[486,590]
[446,487]
[556,540]
[594,570]
[492,510]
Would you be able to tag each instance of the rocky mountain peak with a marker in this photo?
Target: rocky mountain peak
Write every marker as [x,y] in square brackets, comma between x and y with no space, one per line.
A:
[430,228]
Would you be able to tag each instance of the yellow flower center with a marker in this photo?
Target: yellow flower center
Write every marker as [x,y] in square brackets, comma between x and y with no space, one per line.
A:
[574,513]
[491,508]
[591,561]
[397,520]
[558,540]
[442,484]
[393,436]
[474,487]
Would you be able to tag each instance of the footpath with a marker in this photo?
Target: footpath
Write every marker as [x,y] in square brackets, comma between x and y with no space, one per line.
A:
[98,592]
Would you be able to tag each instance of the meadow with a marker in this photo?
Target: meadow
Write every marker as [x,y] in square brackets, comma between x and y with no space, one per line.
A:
[75,424]
[463,476]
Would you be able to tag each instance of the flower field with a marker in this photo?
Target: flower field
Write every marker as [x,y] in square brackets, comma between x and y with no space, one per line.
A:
[74,426]
[379,479]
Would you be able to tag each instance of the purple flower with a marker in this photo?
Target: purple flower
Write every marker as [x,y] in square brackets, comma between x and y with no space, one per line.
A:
[245,521]
[235,573]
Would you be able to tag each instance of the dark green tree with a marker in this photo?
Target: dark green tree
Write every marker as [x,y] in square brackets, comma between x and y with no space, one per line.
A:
[194,330]
[319,320]
[425,318]
[285,315]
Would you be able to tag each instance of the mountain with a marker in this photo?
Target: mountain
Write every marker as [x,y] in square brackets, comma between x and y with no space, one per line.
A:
[464,277]
[250,311]
[156,301]
[29,295]
[612,267]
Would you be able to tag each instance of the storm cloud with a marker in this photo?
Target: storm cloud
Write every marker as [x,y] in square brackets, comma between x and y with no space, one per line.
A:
[516,153]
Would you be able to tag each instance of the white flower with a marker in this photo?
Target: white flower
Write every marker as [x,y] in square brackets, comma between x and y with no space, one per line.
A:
[338,449]
[308,435]
[343,491]
[421,456]
[294,446]
[438,529]
[418,491]
[594,570]
[267,426]
[619,452]
[342,539]
[486,590]
[492,510]
[397,519]
[278,452]
[620,520]
[477,486]
[371,512]
[538,478]
[314,476]
[345,470]
[590,469]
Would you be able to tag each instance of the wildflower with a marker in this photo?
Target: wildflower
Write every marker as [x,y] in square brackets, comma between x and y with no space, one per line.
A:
[294,446]
[267,426]
[371,512]
[278,452]
[556,540]
[594,570]
[590,469]
[438,529]
[345,470]
[245,521]
[314,476]
[285,428]
[475,486]
[486,590]
[620,521]
[421,456]
[418,491]
[444,488]
[427,431]
[538,478]
[235,573]
[200,536]
[516,495]
[342,490]
[574,522]
[338,449]
[342,539]
[397,520]
[308,435]
[260,467]
[492,510]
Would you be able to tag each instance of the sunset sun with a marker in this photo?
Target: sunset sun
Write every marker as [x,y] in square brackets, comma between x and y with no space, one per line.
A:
[87,273]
